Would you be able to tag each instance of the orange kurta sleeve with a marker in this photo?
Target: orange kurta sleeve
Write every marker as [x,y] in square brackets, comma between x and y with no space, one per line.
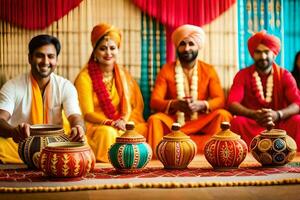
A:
[165,88]
[210,83]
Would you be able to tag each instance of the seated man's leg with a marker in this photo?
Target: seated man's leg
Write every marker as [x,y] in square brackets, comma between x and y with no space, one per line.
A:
[208,124]
[100,138]
[246,127]
[292,127]
[158,125]
[9,151]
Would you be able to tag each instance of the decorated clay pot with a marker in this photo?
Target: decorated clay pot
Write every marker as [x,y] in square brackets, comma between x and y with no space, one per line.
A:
[130,153]
[225,149]
[176,150]
[40,136]
[67,159]
[273,147]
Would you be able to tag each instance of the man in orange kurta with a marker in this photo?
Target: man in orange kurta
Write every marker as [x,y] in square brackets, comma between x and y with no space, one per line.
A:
[187,91]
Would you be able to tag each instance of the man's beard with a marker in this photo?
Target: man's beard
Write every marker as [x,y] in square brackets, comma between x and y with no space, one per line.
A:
[263,64]
[187,56]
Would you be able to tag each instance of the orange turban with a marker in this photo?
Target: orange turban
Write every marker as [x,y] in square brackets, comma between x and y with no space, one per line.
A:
[270,41]
[101,30]
[194,32]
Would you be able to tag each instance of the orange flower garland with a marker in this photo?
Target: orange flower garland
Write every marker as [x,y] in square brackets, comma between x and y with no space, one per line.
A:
[258,88]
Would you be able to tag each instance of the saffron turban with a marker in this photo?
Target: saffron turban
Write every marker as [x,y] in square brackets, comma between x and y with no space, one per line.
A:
[101,30]
[188,31]
[270,41]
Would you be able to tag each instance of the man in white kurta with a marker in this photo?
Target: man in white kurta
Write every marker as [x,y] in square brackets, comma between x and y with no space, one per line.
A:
[37,97]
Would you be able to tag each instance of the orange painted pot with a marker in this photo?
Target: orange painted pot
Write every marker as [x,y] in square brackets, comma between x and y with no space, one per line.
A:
[67,159]
[40,136]
[225,149]
[176,150]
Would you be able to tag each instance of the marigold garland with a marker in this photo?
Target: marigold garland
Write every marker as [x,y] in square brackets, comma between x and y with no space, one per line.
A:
[179,78]
[101,91]
[258,88]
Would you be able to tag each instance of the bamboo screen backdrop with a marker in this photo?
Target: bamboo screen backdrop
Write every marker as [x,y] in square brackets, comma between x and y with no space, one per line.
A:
[74,29]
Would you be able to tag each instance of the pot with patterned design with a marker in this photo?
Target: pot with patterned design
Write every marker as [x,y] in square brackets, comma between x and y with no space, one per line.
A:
[176,150]
[40,136]
[273,148]
[130,153]
[67,159]
[225,149]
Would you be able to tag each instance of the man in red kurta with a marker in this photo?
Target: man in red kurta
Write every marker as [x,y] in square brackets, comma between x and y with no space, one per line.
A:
[187,91]
[264,95]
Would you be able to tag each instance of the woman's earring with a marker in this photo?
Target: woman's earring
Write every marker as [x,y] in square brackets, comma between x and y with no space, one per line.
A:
[95,59]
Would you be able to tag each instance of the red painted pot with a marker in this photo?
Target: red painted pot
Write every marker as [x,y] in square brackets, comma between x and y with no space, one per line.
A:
[67,159]
[225,149]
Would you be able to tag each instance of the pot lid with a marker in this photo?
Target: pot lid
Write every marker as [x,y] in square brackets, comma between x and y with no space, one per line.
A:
[130,134]
[274,132]
[176,133]
[226,133]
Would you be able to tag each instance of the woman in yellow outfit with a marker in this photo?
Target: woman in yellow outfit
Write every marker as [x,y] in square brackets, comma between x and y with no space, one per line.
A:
[108,95]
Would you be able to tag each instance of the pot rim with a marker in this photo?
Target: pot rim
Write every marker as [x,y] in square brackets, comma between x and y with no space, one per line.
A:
[66,146]
[46,129]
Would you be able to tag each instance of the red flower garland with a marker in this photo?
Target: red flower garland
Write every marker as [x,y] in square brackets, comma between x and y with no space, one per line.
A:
[101,91]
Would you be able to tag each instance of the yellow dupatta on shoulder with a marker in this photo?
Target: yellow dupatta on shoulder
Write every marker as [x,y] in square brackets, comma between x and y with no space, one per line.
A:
[39,109]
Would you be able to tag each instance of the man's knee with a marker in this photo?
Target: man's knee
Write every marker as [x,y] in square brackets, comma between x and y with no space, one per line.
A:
[224,114]
[155,117]
[295,119]
[239,120]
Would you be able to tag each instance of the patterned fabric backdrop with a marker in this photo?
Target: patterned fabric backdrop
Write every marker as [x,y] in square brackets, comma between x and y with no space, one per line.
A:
[153,56]
[256,15]
[291,19]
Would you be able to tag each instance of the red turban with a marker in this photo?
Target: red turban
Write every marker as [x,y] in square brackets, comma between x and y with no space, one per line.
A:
[101,30]
[270,41]
[188,31]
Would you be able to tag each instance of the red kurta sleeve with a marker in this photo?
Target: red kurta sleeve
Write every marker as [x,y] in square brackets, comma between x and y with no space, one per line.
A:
[290,89]
[236,93]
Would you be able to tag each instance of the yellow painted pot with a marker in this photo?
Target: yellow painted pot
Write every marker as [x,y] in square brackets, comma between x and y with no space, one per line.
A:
[176,150]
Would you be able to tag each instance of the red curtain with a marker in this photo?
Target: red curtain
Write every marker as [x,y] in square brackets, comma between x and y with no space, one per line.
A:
[35,14]
[174,13]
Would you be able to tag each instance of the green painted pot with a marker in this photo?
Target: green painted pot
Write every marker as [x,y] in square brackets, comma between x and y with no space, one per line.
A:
[130,153]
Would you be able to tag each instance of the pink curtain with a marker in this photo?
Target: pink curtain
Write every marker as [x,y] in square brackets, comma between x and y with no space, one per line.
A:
[35,14]
[174,13]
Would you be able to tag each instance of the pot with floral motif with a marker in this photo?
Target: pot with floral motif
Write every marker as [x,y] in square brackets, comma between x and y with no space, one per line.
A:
[67,159]
[225,149]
